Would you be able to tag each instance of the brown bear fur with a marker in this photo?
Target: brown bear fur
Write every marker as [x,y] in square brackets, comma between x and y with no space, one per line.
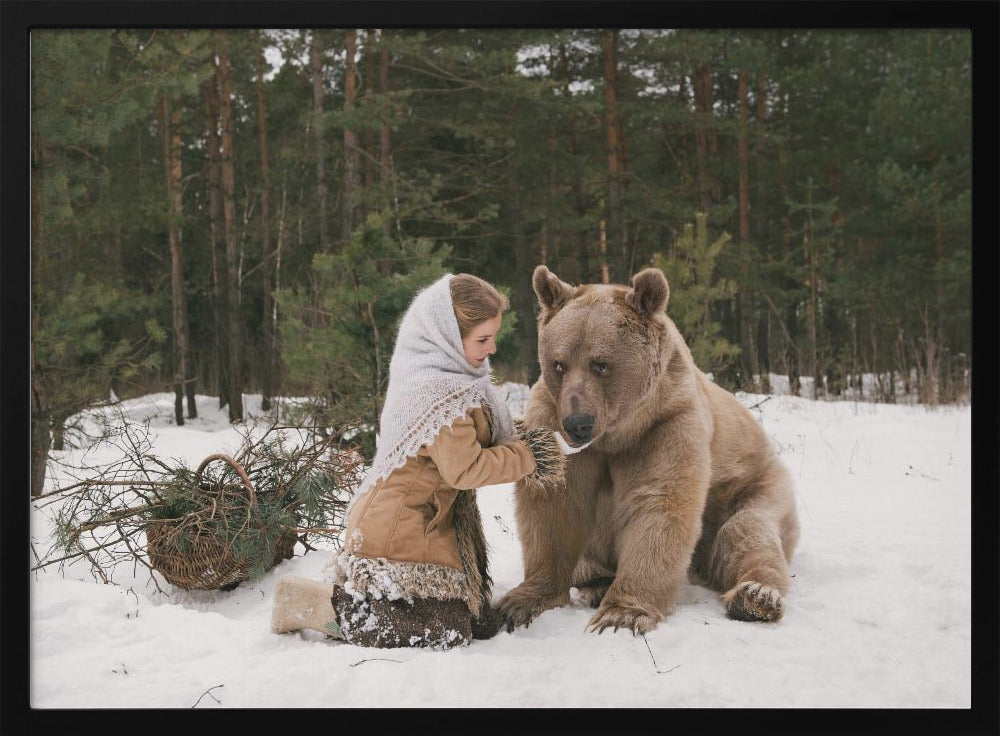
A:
[679,477]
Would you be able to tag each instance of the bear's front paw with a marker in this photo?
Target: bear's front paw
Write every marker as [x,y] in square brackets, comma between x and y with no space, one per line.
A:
[520,606]
[750,601]
[641,619]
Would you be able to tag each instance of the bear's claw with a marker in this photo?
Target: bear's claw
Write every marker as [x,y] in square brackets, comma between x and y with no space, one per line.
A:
[520,608]
[750,601]
[623,616]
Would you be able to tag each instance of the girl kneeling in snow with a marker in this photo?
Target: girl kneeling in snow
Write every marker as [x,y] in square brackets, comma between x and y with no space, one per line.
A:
[413,571]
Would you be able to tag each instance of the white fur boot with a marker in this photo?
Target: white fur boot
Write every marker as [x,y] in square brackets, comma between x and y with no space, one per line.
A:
[300,603]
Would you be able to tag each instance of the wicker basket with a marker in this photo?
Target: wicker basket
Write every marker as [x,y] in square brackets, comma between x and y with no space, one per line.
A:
[205,561]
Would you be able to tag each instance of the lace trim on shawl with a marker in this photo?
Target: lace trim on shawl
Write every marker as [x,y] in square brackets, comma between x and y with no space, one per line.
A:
[441,413]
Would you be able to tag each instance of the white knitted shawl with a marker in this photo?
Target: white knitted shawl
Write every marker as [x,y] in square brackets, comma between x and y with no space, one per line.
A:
[431,384]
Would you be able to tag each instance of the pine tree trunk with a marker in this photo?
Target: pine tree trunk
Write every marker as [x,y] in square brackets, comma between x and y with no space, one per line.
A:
[929,382]
[810,248]
[41,416]
[318,128]
[523,297]
[350,139]
[748,355]
[793,363]
[370,157]
[164,130]
[177,219]
[581,272]
[551,238]
[627,251]
[609,38]
[742,155]
[761,219]
[385,176]
[702,82]
[267,294]
[602,252]
[935,337]
[763,235]
[216,231]
[278,246]
[41,437]
[714,167]
[232,261]
[170,118]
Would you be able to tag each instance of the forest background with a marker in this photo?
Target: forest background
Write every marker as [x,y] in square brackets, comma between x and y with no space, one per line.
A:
[228,211]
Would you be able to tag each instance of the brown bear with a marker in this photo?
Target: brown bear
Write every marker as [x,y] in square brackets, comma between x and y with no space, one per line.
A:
[675,475]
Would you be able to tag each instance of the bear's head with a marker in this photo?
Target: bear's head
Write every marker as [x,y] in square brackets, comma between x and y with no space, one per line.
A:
[600,347]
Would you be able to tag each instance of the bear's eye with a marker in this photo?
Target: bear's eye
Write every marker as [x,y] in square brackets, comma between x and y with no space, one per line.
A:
[598,367]
[559,367]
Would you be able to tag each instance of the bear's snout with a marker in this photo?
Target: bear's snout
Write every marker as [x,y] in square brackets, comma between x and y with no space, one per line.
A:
[579,427]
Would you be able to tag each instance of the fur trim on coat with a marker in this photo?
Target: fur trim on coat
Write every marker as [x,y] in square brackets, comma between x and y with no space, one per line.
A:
[393,580]
[381,578]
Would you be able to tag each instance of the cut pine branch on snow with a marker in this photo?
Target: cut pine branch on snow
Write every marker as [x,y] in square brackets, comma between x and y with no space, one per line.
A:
[227,521]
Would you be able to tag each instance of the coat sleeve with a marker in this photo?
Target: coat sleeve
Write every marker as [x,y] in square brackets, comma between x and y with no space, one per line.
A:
[464,463]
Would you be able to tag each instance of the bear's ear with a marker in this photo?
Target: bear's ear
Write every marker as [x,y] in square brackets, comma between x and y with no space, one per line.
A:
[551,291]
[649,292]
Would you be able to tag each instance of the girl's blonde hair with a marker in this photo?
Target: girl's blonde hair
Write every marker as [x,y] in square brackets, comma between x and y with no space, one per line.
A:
[475,301]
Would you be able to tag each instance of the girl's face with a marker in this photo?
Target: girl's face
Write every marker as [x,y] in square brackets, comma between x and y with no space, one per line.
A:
[481,341]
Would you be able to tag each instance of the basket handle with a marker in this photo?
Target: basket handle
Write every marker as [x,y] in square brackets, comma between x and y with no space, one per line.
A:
[235,466]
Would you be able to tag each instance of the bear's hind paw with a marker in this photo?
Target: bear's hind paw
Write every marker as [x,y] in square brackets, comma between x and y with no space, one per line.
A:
[750,601]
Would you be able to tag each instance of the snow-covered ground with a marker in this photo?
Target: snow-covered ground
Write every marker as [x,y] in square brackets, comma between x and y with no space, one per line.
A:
[879,614]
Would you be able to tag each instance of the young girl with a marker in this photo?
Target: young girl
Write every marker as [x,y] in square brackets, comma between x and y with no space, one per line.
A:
[413,570]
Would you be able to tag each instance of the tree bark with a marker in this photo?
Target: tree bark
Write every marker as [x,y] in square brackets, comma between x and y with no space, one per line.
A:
[627,247]
[934,338]
[318,127]
[602,252]
[748,354]
[267,294]
[187,349]
[385,143]
[551,238]
[609,38]
[762,234]
[742,155]
[170,119]
[366,87]
[523,296]
[228,208]
[216,231]
[525,259]
[702,83]
[580,273]
[810,246]
[350,139]
[41,416]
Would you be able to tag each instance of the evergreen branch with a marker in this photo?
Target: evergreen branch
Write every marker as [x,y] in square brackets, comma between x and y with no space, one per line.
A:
[72,556]
[91,483]
[313,529]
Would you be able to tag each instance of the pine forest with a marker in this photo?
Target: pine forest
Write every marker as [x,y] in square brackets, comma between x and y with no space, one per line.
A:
[232,211]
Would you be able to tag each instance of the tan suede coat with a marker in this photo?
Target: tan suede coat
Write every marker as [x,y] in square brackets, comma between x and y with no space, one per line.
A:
[408,517]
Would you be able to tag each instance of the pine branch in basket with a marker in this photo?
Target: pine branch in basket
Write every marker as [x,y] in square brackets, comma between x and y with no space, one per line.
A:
[235,518]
